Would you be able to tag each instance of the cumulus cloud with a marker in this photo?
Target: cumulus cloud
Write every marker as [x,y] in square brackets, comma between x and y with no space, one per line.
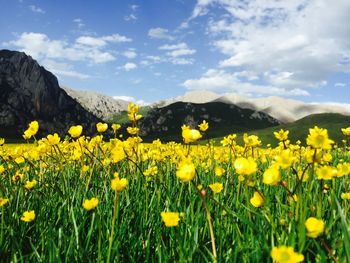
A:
[63,69]
[130,54]
[85,48]
[176,53]
[129,66]
[36,9]
[160,33]
[131,99]
[290,45]
[222,81]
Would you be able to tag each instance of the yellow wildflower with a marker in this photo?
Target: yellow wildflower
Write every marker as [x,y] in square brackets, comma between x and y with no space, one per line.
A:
[272,176]
[345,196]
[119,184]
[203,126]
[245,166]
[2,141]
[90,204]
[28,216]
[53,139]
[170,218]
[190,135]
[318,139]
[219,171]
[257,200]
[326,172]
[3,201]
[216,187]
[186,171]
[75,131]
[284,254]
[132,130]
[101,127]
[30,184]
[115,127]
[281,135]
[346,131]
[32,130]
[314,227]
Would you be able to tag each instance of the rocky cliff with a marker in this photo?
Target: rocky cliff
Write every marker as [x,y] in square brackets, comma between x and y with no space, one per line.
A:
[100,105]
[29,92]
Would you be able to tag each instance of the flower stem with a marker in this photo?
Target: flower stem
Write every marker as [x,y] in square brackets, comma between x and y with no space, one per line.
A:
[113,225]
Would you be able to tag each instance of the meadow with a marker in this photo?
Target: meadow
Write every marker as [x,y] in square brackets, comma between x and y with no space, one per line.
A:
[90,200]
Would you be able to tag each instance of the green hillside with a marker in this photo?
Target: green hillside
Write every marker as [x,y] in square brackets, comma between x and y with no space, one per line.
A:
[299,129]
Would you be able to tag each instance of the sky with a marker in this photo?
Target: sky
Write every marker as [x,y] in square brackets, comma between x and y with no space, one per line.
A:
[157,49]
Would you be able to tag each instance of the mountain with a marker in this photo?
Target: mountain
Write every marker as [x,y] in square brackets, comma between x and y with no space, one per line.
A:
[100,105]
[282,109]
[166,122]
[29,92]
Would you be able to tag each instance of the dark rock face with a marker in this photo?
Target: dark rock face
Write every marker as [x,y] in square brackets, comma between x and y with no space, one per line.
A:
[29,92]
[223,119]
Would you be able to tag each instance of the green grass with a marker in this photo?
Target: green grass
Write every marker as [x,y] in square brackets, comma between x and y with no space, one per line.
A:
[299,129]
[122,117]
[64,232]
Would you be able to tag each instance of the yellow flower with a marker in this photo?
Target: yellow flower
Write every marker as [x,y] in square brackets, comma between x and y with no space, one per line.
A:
[345,196]
[2,169]
[314,227]
[119,184]
[245,166]
[28,216]
[115,127]
[186,171]
[203,126]
[251,140]
[75,131]
[284,254]
[30,184]
[190,135]
[53,139]
[326,172]
[90,204]
[101,127]
[318,139]
[281,135]
[170,218]
[216,187]
[229,140]
[342,168]
[346,131]
[2,141]
[285,159]
[219,171]
[3,201]
[272,176]
[257,200]
[32,130]
[132,130]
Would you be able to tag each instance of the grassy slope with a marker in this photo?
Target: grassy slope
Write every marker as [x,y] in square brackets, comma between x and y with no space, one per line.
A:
[122,117]
[299,129]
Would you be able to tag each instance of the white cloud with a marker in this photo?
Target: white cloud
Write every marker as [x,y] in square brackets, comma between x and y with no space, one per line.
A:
[339,84]
[131,17]
[221,81]
[134,7]
[63,69]
[36,9]
[173,47]
[292,45]
[129,66]
[160,33]
[85,48]
[130,54]
[79,22]
[176,52]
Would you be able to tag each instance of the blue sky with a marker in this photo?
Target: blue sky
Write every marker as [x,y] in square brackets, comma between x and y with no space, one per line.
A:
[157,49]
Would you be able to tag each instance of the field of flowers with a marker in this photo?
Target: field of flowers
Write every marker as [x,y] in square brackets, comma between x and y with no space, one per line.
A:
[91,200]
